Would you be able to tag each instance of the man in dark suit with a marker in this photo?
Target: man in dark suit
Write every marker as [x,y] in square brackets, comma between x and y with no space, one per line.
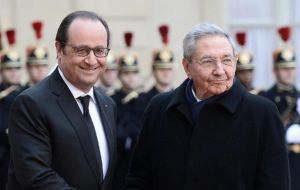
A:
[210,133]
[62,130]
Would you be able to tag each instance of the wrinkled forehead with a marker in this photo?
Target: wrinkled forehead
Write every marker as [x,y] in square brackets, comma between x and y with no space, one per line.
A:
[213,46]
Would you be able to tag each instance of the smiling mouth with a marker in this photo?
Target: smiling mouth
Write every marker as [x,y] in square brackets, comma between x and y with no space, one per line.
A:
[89,69]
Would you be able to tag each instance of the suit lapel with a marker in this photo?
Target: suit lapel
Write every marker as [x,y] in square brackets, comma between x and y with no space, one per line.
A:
[72,112]
[107,123]
[180,102]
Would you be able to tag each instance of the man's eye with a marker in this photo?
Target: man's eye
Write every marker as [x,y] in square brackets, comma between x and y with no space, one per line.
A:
[227,61]
[99,51]
[82,50]
[208,61]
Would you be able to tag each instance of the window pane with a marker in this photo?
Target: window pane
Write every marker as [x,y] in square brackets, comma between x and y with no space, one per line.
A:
[249,10]
[295,4]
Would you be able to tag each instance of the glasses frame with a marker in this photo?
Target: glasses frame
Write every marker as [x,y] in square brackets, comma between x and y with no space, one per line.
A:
[86,53]
[214,61]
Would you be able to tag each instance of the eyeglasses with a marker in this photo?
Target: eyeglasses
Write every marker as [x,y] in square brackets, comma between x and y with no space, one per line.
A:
[213,61]
[83,51]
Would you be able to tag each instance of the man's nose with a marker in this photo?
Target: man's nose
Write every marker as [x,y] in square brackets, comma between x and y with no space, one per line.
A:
[219,70]
[91,58]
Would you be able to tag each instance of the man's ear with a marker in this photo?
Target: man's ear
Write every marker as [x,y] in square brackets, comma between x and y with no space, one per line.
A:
[59,49]
[187,67]
[236,57]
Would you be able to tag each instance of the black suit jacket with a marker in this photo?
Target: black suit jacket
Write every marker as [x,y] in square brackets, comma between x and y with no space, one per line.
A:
[50,144]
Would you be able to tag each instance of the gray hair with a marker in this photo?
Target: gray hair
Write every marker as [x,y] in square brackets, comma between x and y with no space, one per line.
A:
[200,31]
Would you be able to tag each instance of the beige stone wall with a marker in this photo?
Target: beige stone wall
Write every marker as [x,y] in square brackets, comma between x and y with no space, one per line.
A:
[139,16]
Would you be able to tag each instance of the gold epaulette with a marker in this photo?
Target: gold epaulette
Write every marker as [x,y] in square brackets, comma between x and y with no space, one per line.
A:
[132,95]
[8,90]
[255,91]
[295,148]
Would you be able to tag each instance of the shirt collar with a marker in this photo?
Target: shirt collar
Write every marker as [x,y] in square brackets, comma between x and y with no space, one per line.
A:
[229,99]
[75,91]
[194,94]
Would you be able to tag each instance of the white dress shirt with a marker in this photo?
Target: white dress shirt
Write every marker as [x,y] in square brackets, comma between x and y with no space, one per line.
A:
[95,115]
[195,96]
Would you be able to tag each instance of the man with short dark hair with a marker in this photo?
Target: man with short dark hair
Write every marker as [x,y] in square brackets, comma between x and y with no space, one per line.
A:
[210,133]
[62,130]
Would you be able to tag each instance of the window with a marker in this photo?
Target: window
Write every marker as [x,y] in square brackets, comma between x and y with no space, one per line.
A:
[260,20]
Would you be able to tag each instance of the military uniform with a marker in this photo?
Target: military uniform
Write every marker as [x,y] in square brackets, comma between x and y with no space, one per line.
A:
[150,94]
[8,92]
[7,95]
[162,59]
[293,141]
[129,113]
[128,119]
[245,62]
[111,65]
[286,97]
[285,100]
[37,55]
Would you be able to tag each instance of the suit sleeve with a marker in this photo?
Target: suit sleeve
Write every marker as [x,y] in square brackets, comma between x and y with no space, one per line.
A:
[273,168]
[31,151]
[139,176]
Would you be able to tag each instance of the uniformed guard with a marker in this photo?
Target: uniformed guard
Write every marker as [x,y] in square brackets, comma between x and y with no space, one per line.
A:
[130,109]
[293,143]
[10,67]
[37,62]
[245,66]
[109,78]
[284,93]
[162,67]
